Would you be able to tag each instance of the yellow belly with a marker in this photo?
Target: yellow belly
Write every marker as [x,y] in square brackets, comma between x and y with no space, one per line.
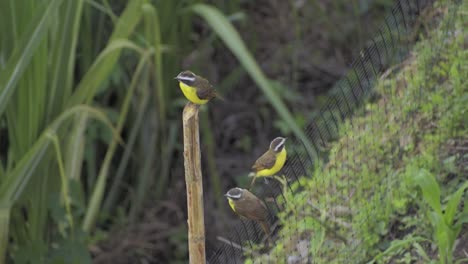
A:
[191,94]
[279,163]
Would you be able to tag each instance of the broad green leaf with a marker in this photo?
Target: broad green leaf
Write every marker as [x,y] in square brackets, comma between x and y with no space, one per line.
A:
[430,189]
[226,31]
[453,204]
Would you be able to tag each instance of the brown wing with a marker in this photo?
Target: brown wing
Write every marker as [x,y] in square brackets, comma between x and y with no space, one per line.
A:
[253,209]
[204,89]
[206,94]
[266,161]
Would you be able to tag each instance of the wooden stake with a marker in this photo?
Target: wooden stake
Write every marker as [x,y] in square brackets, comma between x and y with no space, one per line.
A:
[194,183]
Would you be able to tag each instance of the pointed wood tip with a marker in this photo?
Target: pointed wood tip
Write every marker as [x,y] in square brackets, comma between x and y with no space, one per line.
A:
[190,110]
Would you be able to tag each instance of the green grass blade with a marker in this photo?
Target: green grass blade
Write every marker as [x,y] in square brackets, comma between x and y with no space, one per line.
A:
[452,204]
[74,153]
[126,157]
[101,69]
[4,228]
[153,35]
[63,178]
[145,180]
[170,147]
[2,170]
[397,245]
[209,142]
[75,148]
[98,192]
[226,31]
[24,51]
[63,50]
[14,182]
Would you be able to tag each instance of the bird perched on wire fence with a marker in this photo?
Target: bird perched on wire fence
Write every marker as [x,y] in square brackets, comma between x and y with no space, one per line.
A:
[271,162]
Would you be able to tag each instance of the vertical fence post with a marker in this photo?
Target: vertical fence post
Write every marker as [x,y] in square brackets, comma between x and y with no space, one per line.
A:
[194,184]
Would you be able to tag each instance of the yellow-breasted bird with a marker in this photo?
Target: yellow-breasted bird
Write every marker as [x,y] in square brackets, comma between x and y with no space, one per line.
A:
[246,204]
[196,89]
[272,161]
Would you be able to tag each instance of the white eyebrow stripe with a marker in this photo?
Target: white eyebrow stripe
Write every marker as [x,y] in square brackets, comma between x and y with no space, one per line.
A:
[190,79]
[280,144]
[237,196]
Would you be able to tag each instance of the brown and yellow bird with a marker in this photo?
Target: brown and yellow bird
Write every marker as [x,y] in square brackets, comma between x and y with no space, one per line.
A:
[272,161]
[246,204]
[196,89]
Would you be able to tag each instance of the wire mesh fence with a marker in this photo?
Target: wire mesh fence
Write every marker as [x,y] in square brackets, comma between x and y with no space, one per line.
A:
[332,217]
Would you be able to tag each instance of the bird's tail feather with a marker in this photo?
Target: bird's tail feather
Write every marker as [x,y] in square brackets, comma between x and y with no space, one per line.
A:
[217,95]
[266,229]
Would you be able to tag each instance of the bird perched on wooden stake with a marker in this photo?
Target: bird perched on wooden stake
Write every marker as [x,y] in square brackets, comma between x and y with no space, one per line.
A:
[272,161]
[196,89]
[246,204]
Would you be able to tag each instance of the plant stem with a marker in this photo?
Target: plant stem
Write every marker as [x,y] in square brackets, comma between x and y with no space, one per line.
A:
[209,141]
[4,225]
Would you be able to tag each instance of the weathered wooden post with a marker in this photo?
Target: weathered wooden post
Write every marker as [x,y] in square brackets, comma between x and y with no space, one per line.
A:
[194,184]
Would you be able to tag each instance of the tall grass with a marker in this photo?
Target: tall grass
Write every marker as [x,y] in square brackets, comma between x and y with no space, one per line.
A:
[43,111]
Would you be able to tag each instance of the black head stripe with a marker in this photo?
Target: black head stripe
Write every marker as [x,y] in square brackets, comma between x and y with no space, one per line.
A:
[277,144]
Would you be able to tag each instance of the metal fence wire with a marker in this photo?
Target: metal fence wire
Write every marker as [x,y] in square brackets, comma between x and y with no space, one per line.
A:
[390,47]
